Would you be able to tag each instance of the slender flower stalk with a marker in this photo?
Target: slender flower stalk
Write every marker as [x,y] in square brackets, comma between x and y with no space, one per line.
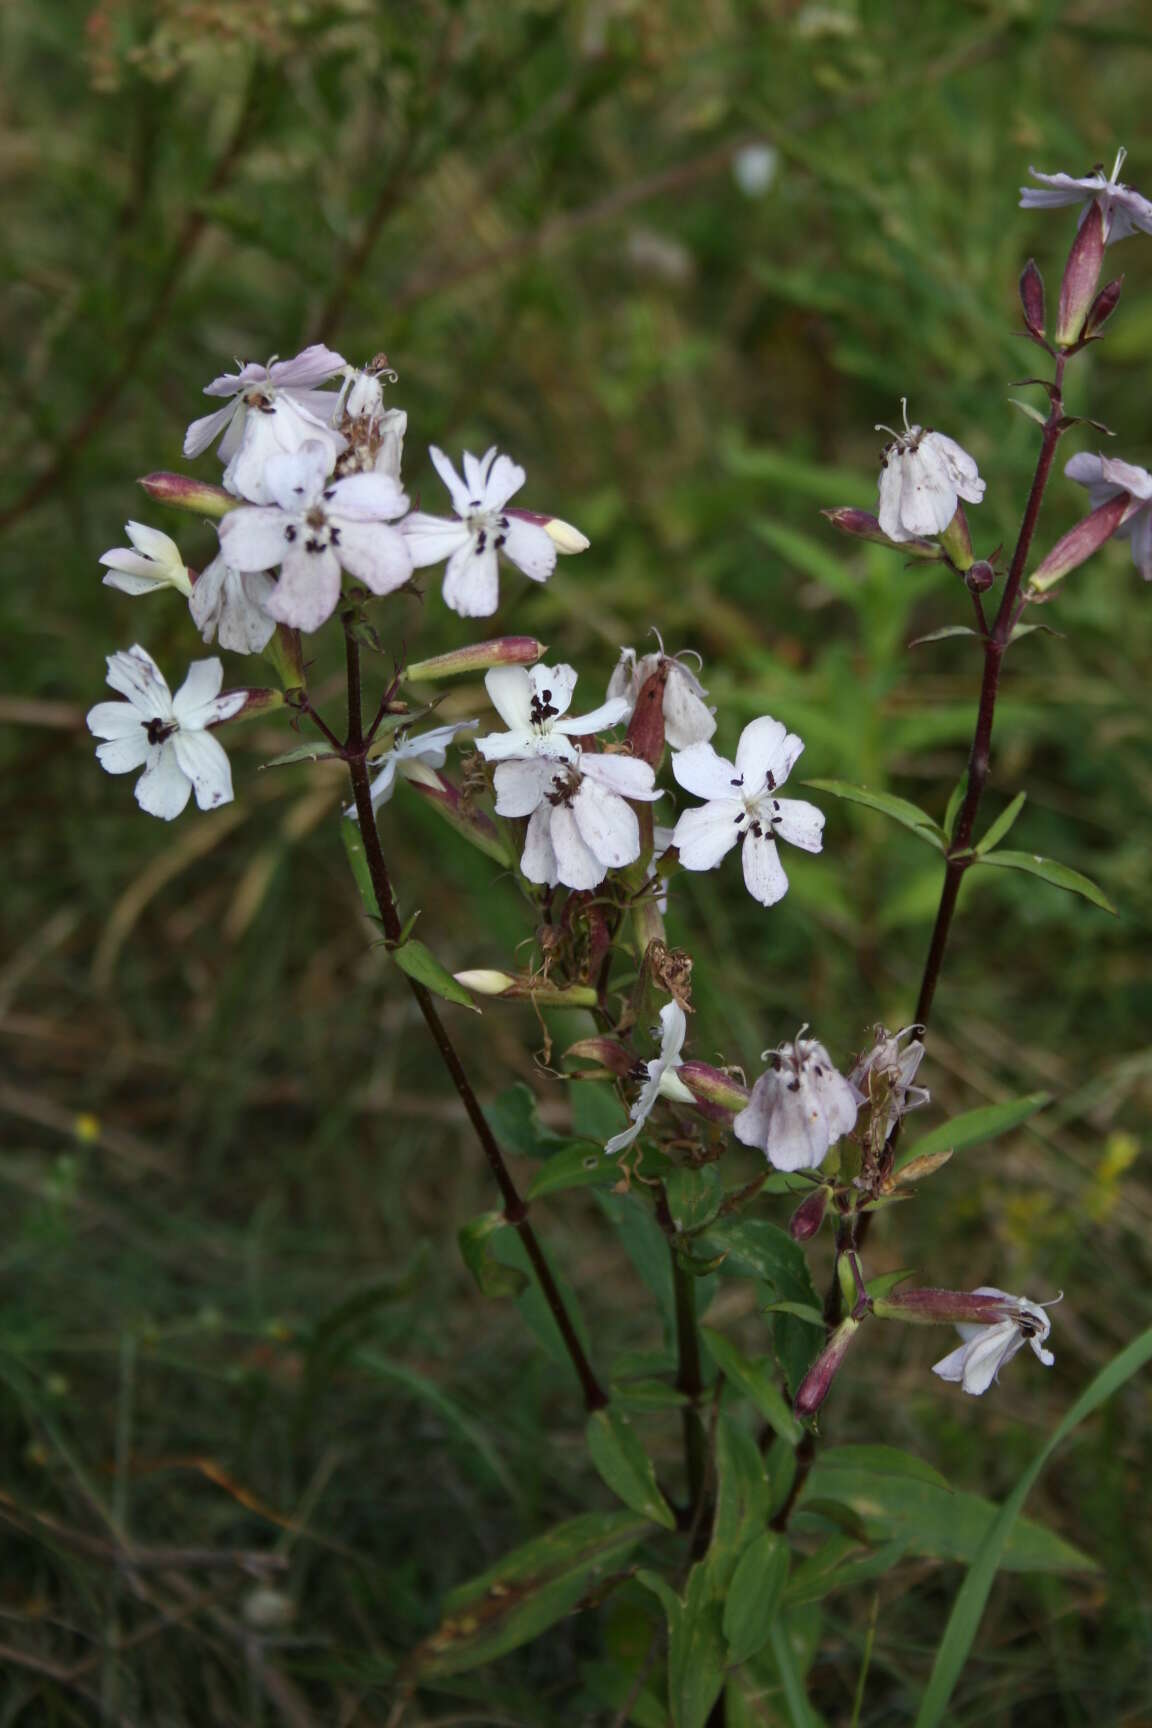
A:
[515,1208]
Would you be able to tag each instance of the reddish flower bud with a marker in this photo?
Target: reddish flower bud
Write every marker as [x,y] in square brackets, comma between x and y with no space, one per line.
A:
[817,1383]
[809,1215]
[646,727]
[932,1307]
[1081,274]
[609,1052]
[710,1085]
[862,526]
[1078,545]
[1032,299]
[980,577]
[478,657]
[1102,309]
[184,493]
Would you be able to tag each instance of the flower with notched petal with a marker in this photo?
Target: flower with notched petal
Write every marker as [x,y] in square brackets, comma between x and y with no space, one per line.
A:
[976,1363]
[1124,210]
[923,475]
[799,1108]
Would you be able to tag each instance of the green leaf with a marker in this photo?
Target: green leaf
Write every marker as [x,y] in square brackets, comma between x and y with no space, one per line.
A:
[509,1249]
[1027,408]
[804,1311]
[976,1126]
[421,964]
[743,1496]
[317,752]
[694,1197]
[493,1278]
[939,635]
[1060,875]
[620,1458]
[761,1250]
[959,793]
[907,814]
[358,861]
[968,1609]
[1001,825]
[515,1120]
[831,1568]
[526,1592]
[931,1520]
[696,1649]
[647,1395]
[579,1165]
[793,1685]
[756,1379]
[875,1461]
[754,1595]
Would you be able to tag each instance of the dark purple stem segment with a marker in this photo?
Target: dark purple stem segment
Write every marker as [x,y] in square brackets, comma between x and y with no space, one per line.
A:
[515,1208]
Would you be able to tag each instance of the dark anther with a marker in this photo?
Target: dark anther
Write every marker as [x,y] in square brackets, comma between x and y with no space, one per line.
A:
[481,540]
[331,492]
[289,533]
[158,730]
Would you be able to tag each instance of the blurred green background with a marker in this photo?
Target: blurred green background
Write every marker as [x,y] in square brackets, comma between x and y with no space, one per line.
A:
[234,1315]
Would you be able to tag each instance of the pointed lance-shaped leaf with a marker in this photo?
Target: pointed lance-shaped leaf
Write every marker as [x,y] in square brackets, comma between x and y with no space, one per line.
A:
[1081,274]
[1078,545]
[1032,299]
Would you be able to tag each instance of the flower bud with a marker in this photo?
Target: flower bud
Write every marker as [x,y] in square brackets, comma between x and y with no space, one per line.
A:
[563,535]
[183,493]
[609,1052]
[980,576]
[809,1215]
[917,1169]
[1078,545]
[817,1383]
[478,657]
[1102,309]
[710,1085]
[932,1307]
[646,728]
[1032,299]
[517,989]
[477,828]
[861,526]
[1081,274]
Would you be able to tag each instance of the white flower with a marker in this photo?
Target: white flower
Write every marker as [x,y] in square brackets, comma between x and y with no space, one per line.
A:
[661,1077]
[898,1070]
[166,735]
[410,758]
[154,563]
[742,805]
[295,379]
[533,701]
[1106,478]
[687,717]
[1124,210]
[977,1362]
[799,1108]
[481,531]
[754,167]
[230,605]
[318,528]
[922,475]
[376,434]
[581,825]
[273,427]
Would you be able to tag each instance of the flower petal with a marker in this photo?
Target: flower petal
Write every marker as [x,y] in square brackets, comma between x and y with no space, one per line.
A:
[368,497]
[510,692]
[553,687]
[502,479]
[202,758]
[296,478]
[204,431]
[528,547]
[136,675]
[255,538]
[434,538]
[121,755]
[577,866]
[133,584]
[375,554]
[472,580]
[608,826]
[163,789]
[521,785]
[202,684]
[799,823]
[766,754]
[688,719]
[114,720]
[599,720]
[539,860]
[764,875]
[308,589]
[700,770]
[457,490]
[705,835]
[626,775]
[313,365]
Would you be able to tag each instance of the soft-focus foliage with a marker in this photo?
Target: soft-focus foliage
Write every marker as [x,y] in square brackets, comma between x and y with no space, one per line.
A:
[679,259]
